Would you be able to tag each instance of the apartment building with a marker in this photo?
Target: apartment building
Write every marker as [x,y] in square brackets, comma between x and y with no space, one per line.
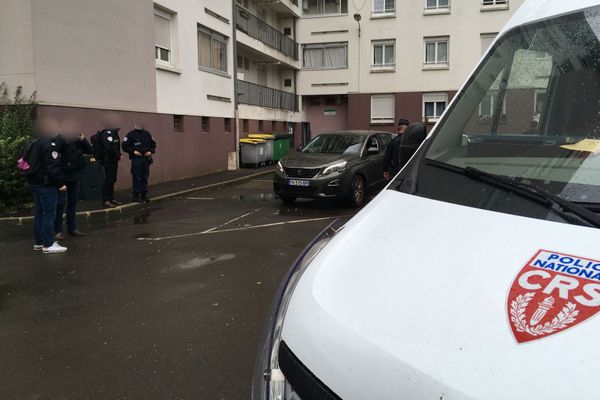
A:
[367,63]
[203,73]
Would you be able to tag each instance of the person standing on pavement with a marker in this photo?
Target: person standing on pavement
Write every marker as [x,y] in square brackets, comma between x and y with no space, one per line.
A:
[391,159]
[140,146]
[107,147]
[44,182]
[73,147]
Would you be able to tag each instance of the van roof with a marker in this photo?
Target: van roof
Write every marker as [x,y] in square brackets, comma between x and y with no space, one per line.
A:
[535,10]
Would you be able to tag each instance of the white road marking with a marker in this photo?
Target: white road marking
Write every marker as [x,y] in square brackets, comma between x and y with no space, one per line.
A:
[199,198]
[243,228]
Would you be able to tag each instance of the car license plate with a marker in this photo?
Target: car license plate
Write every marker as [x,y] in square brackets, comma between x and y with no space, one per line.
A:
[296,182]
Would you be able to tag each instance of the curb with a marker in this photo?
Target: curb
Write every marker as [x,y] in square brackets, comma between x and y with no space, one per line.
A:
[120,210]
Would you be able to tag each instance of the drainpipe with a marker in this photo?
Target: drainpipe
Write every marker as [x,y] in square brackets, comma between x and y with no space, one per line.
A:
[235,86]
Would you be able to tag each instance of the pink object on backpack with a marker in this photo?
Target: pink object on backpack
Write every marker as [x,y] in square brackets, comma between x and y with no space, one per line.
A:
[22,165]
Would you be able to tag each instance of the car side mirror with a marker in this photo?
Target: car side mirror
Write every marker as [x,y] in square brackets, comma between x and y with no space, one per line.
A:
[371,151]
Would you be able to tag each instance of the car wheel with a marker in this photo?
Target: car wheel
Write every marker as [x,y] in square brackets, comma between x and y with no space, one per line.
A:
[357,191]
[288,199]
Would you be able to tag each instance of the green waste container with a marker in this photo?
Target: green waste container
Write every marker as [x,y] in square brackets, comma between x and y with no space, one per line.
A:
[252,152]
[92,178]
[269,140]
[281,146]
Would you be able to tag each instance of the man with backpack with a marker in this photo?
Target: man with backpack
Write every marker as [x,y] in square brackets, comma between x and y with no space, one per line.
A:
[73,147]
[41,165]
[140,146]
[107,150]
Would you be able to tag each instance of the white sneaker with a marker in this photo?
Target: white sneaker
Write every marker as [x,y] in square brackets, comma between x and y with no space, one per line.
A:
[54,249]
[38,247]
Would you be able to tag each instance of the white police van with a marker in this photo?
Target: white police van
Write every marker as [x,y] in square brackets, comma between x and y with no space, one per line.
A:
[487,283]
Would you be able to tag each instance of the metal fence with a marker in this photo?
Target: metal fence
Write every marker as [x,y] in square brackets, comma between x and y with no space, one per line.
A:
[264,32]
[262,96]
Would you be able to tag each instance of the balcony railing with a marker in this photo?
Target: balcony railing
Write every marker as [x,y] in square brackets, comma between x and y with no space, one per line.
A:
[262,96]
[258,29]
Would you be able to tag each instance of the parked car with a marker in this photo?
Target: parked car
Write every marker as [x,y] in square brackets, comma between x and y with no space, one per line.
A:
[476,273]
[346,164]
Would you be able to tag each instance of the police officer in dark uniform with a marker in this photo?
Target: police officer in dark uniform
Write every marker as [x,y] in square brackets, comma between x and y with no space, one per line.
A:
[140,146]
[73,147]
[110,152]
[391,159]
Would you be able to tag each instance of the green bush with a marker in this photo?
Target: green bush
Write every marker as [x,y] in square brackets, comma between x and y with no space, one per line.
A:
[16,128]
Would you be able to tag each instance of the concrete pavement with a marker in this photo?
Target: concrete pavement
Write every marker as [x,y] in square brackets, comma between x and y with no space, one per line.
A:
[167,304]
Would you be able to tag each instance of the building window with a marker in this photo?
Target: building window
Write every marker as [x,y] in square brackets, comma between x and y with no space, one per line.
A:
[212,50]
[246,125]
[434,105]
[243,3]
[538,104]
[487,3]
[383,109]
[325,7]
[227,125]
[287,83]
[205,124]
[384,7]
[488,104]
[178,123]
[384,55]
[431,5]
[325,55]
[436,52]
[486,41]
[162,36]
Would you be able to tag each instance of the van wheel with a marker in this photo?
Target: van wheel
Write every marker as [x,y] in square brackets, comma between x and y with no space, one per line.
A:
[357,191]
[288,199]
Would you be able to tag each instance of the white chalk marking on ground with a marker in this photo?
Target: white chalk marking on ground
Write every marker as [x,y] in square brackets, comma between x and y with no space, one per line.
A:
[199,198]
[203,232]
[243,228]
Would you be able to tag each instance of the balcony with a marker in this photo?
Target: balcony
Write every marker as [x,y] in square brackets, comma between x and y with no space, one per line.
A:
[260,30]
[262,96]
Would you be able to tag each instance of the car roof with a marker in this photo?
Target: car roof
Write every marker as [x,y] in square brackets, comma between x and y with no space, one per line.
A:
[355,132]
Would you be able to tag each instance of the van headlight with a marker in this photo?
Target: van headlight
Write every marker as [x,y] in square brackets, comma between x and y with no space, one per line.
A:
[339,167]
[269,382]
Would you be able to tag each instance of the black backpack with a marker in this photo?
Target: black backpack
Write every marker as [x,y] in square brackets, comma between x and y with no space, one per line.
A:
[29,163]
[97,145]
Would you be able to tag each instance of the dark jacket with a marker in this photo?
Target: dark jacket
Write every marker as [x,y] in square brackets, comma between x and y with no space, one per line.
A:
[110,145]
[403,147]
[391,158]
[73,160]
[50,172]
[138,140]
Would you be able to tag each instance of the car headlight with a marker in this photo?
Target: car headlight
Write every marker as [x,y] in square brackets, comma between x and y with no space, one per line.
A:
[269,382]
[339,167]
[279,167]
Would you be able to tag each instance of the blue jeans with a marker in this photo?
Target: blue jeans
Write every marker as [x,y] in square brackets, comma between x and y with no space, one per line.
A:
[70,198]
[45,214]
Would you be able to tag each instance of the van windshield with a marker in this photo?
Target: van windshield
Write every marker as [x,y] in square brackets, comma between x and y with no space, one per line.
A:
[531,112]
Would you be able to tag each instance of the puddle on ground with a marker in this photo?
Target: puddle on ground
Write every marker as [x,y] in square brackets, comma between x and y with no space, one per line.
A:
[257,197]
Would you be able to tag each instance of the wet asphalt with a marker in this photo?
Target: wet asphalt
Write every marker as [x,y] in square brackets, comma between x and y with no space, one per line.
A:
[165,304]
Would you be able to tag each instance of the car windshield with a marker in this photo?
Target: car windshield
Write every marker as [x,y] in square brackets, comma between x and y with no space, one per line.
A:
[335,143]
[532,110]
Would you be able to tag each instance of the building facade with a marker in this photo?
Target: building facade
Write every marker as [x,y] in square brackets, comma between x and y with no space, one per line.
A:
[202,74]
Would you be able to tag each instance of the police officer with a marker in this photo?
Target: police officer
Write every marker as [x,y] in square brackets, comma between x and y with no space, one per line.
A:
[391,159]
[73,147]
[140,146]
[44,182]
[109,144]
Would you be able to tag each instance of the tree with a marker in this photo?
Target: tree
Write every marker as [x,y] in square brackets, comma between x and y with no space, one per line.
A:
[16,128]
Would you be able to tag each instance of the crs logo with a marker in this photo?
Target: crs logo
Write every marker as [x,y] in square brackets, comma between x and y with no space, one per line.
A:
[553,292]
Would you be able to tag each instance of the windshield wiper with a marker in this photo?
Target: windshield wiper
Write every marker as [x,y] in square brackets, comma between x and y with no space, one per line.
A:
[565,208]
